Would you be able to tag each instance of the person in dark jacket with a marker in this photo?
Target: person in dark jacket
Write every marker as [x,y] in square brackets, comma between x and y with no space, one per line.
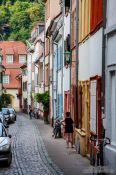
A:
[68,129]
[30,112]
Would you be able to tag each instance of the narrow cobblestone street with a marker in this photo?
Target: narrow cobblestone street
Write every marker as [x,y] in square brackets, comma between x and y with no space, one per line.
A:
[29,153]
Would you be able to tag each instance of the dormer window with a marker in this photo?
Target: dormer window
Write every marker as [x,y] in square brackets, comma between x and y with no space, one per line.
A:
[22,59]
[41,28]
[9,59]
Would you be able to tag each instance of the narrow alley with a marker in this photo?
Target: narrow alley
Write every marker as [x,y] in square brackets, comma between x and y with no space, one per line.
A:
[29,153]
[36,152]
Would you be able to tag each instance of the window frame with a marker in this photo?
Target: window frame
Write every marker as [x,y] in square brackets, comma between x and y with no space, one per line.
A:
[8,79]
[20,62]
[111,127]
[7,57]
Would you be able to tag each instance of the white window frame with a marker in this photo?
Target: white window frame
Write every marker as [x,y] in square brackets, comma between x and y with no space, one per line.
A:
[110,98]
[6,81]
[9,59]
[93,106]
[23,57]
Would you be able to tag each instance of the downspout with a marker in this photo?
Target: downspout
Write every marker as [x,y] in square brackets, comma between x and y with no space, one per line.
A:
[62,66]
[49,74]
[103,79]
[31,79]
[70,55]
[44,61]
[77,61]
[103,59]
[52,84]
[56,78]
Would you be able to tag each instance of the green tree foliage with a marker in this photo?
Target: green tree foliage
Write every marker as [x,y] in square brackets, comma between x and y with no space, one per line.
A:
[5,100]
[44,99]
[17,18]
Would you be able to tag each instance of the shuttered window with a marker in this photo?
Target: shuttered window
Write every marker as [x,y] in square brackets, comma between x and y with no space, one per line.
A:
[96,15]
[84,19]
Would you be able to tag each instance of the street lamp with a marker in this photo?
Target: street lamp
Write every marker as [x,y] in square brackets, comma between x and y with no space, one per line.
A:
[67,58]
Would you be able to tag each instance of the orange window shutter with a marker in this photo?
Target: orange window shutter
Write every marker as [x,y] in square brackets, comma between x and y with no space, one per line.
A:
[100,11]
[80,20]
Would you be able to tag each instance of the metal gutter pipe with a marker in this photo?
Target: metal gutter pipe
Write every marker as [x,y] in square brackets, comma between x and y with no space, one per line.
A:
[70,55]
[56,78]
[103,58]
[49,69]
[103,78]
[77,60]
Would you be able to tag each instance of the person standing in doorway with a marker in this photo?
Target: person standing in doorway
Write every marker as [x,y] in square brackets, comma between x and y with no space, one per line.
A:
[68,129]
[30,112]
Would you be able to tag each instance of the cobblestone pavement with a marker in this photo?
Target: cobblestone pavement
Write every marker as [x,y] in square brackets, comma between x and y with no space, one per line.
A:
[29,153]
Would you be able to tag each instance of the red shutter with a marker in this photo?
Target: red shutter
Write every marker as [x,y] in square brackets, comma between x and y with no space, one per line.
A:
[96,15]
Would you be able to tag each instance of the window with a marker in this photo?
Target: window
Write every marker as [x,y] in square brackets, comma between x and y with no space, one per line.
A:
[41,29]
[36,79]
[24,86]
[22,59]
[0,77]
[113,107]
[5,79]
[93,117]
[0,59]
[9,59]
[67,7]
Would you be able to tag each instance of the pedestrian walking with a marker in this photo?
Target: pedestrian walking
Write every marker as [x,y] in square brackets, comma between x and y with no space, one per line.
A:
[68,129]
[30,112]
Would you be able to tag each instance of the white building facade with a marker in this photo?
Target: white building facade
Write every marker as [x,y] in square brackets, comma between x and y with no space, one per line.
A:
[110,86]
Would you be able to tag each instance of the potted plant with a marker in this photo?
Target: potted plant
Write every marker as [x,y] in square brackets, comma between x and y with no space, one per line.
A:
[44,99]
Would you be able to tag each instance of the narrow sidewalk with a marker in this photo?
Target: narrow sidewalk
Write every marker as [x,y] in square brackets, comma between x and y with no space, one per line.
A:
[68,160]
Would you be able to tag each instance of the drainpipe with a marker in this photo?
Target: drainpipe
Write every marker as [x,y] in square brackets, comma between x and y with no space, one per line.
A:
[31,79]
[49,70]
[62,63]
[70,55]
[103,58]
[44,60]
[103,78]
[77,61]
[56,78]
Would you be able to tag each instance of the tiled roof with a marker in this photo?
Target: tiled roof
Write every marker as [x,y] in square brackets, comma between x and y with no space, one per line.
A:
[11,46]
[9,50]
[21,50]
[16,48]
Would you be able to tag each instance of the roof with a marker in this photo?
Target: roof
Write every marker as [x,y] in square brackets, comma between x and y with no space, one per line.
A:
[9,47]
[9,50]
[21,51]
